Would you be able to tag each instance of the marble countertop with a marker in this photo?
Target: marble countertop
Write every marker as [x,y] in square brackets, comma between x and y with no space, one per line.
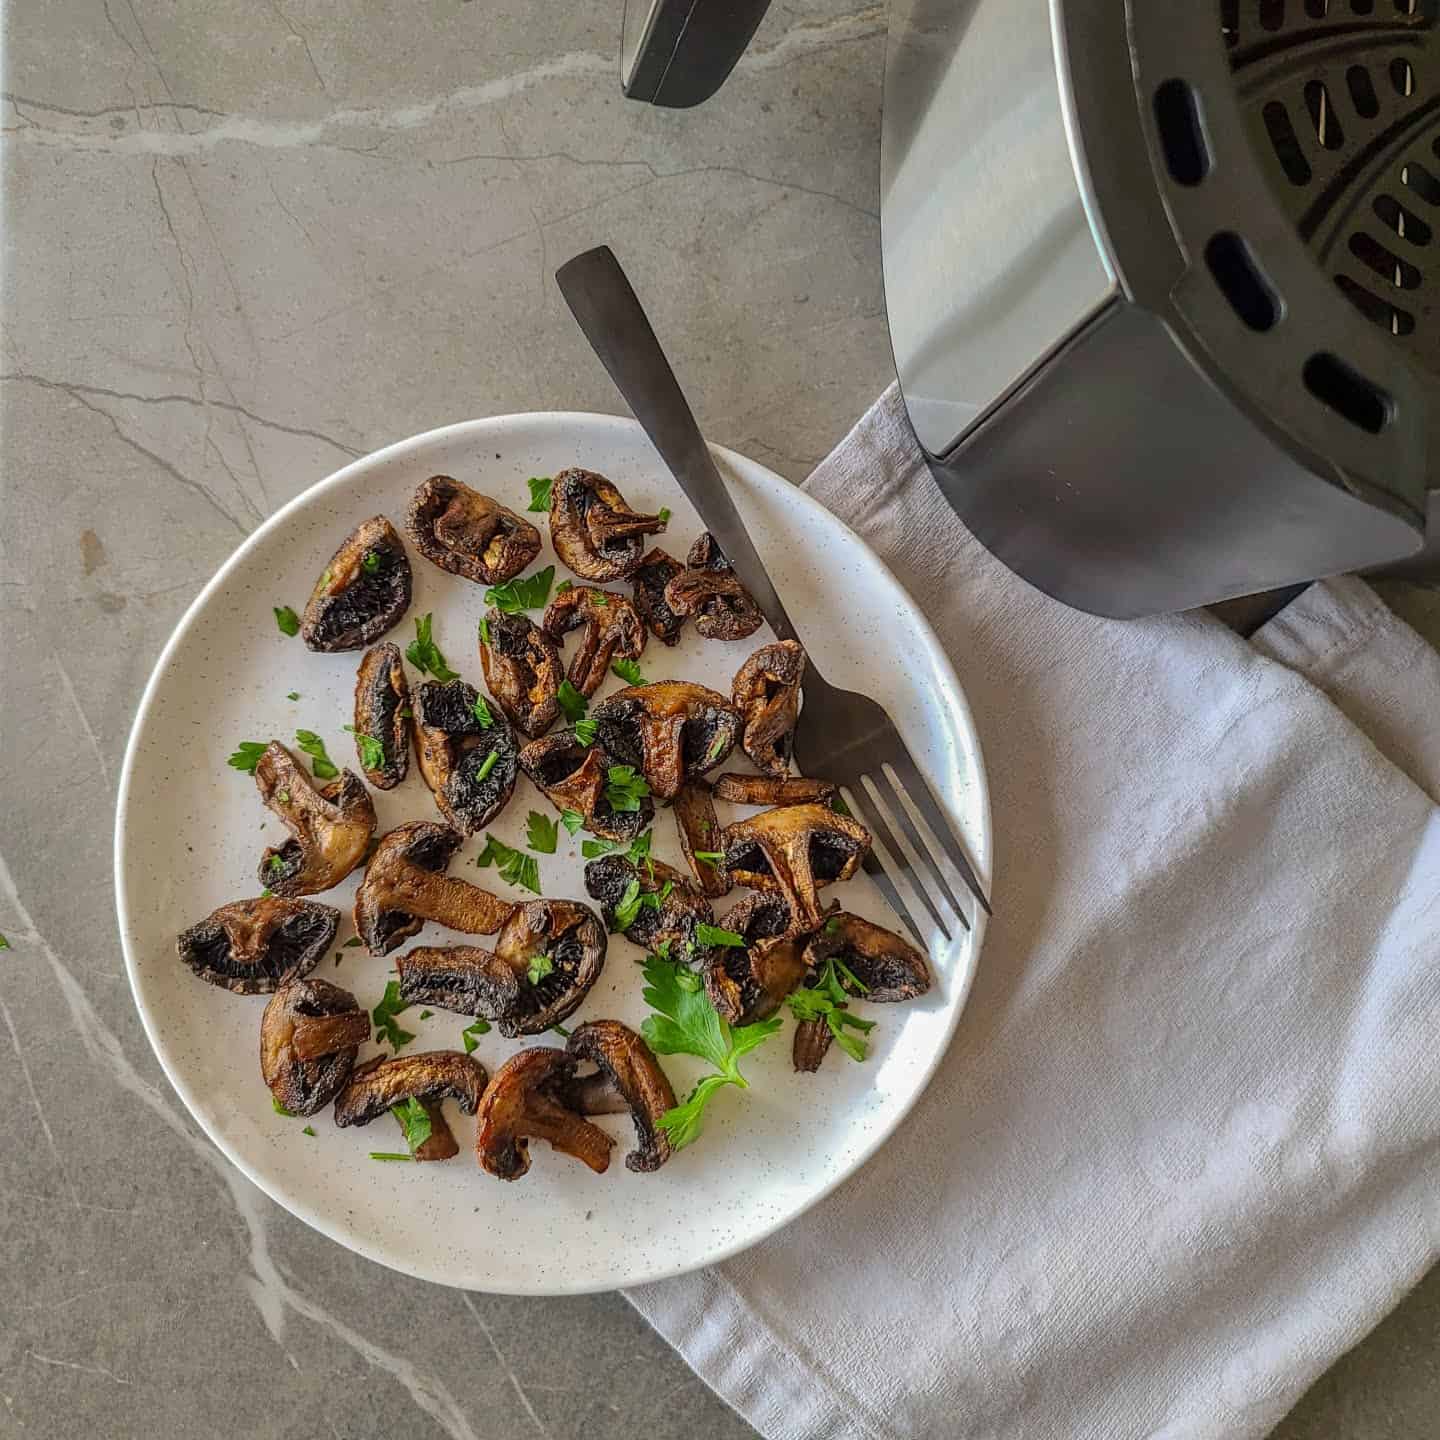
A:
[244,245]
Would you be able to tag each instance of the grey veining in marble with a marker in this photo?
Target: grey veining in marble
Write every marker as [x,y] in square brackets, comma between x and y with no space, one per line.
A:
[243,244]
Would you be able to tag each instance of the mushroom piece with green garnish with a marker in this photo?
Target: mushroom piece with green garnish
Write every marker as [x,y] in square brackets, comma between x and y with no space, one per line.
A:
[309,1035]
[330,825]
[766,692]
[650,903]
[593,529]
[627,1080]
[613,630]
[468,533]
[748,982]
[253,946]
[672,731]
[382,718]
[699,831]
[522,670]
[578,777]
[363,592]
[524,1101]
[647,583]
[467,753]
[428,1078]
[709,591]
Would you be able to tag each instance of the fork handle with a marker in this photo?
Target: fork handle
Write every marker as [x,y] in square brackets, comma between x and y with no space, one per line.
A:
[609,312]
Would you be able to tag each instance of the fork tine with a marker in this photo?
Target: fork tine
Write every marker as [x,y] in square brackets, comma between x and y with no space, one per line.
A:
[891,793]
[914,787]
[876,871]
[907,852]
[870,817]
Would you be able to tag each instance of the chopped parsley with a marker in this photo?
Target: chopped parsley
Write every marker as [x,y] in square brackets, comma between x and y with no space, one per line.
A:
[561,1031]
[516,867]
[247,756]
[629,672]
[372,752]
[484,629]
[426,1014]
[384,1015]
[832,924]
[633,901]
[664,516]
[280,1109]
[585,731]
[353,943]
[314,747]
[488,764]
[390,1155]
[600,597]
[717,747]
[540,492]
[470,1035]
[266,893]
[275,865]
[424,654]
[293,695]
[370,561]
[286,620]
[541,833]
[414,1120]
[283,796]
[637,851]
[563,586]
[483,717]
[624,788]
[688,1024]
[539,967]
[572,702]
[826,1000]
[710,857]
[712,935]
[4,942]
[309,1130]
[531,593]
[572,820]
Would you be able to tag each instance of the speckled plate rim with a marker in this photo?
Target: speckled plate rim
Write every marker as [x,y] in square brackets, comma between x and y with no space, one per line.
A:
[949,693]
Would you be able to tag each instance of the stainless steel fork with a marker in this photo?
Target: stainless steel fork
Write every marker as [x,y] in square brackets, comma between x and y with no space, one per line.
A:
[842,736]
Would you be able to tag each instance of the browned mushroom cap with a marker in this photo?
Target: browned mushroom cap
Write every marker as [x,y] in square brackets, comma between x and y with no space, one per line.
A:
[708,590]
[309,1034]
[455,746]
[382,703]
[671,731]
[678,908]
[468,533]
[330,827]
[887,966]
[699,831]
[593,530]
[774,790]
[795,849]
[766,692]
[613,630]
[252,946]
[747,983]
[429,1077]
[524,1102]
[522,670]
[573,776]
[627,1078]
[648,581]
[405,885]
[810,1045]
[362,592]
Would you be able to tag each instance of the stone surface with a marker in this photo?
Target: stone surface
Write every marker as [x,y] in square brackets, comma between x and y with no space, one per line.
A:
[243,245]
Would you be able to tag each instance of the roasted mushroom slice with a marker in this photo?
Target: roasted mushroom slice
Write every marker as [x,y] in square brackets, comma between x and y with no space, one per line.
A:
[810,1045]
[429,1077]
[627,1079]
[709,591]
[309,1034]
[766,692]
[664,907]
[574,777]
[469,758]
[699,831]
[405,885]
[524,1101]
[671,731]
[593,530]
[361,593]
[795,849]
[330,826]
[890,969]
[522,670]
[748,982]
[613,630]
[648,581]
[382,706]
[774,790]
[468,533]
[253,946]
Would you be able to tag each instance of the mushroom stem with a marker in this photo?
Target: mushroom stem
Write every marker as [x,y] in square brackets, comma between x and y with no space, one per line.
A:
[456,903]
[319,1035]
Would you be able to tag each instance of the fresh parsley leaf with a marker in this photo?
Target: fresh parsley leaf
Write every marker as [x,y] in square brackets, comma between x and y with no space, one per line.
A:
[585,731]
[540,492]
[838,805]
[275,865]
[414,1120]
[710,857]
[293,695]
[664,515]
[832,924]
[688,1024]
[600,597]
[470,1035]
[541,833]
[540,966]
[247,756]
[309,1130]
[572,702]
[283,796]
[628,906]
[391,1155]
[426,1014]
[637,852]
[624,788]
[384,1015]
[286,620]
[424,654]
[266,893]
[370,561]
[314,747]
[561,1031]
[629,672]
[530,593]
[482,713]
[563,586]
[353,943]
[488,764]
[572,820]
[711,935]
[280,1109]
[4,942]
[484,629]
[662,950]
[516,867]
[717,746]
[372,752]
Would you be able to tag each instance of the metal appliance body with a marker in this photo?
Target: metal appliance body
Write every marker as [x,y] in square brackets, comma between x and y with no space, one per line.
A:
[1156,279]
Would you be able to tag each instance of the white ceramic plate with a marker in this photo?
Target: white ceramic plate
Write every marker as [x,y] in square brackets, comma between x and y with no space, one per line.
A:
[189,832]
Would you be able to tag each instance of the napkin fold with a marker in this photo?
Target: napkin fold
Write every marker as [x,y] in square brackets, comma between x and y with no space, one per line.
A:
[1185,1147]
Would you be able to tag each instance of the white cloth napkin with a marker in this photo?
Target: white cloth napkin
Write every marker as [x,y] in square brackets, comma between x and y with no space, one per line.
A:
[1185,1148]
